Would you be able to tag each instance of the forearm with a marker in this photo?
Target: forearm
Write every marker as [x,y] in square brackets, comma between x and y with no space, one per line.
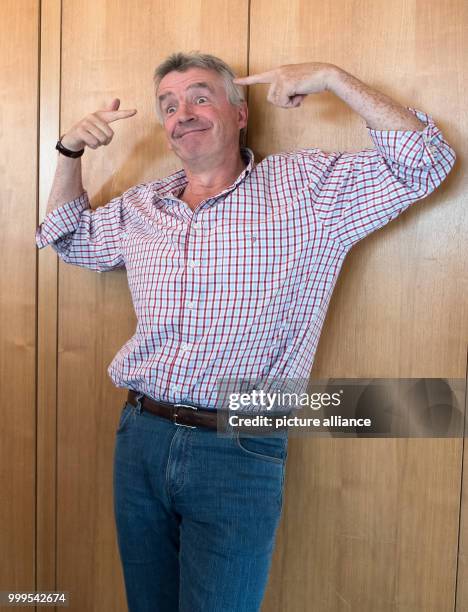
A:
[67,184]
[378,110]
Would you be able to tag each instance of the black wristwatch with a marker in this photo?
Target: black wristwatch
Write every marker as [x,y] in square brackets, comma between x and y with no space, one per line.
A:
[64,151]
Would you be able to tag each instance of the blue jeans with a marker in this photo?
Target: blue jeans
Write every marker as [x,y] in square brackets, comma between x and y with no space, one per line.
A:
[196,514]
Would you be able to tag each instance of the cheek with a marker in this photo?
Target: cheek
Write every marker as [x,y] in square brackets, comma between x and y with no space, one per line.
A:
[169,128]
[168,131]
[230,121]
[168,125]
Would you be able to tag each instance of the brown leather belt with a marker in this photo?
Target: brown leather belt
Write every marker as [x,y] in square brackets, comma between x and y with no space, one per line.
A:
[187,415]
[179,414]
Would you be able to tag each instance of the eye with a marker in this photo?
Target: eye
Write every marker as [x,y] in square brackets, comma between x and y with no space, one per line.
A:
[167,111]
[202,98]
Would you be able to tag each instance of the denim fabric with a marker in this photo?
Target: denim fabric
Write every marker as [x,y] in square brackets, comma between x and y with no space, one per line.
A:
[196,514]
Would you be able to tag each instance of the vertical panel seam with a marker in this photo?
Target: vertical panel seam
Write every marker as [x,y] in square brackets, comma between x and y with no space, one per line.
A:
[249,8]
[58,312]
[36,334]
[461,486]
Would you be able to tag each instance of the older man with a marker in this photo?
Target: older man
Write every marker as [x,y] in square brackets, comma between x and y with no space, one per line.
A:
[231,267]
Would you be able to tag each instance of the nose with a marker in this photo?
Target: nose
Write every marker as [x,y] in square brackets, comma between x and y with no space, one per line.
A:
[185,112]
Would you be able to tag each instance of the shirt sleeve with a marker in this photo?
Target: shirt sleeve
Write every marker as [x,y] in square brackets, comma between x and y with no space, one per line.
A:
[354,194]
[83,236]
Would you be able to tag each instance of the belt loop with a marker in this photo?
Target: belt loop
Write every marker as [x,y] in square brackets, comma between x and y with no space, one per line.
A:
[138,407]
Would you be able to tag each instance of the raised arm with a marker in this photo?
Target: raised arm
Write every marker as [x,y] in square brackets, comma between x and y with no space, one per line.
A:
[354,194]
[291,83]
[92,131]
[80,235]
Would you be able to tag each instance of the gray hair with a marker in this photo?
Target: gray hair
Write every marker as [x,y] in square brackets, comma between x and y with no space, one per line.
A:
[181,62]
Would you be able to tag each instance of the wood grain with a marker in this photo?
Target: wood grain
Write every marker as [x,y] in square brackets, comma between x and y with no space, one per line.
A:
[19,39]
[368,525]
[110,49]
[373,524]
[47,284]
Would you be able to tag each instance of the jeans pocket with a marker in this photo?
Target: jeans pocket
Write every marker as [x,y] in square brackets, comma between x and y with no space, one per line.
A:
[266,447]
[124,417]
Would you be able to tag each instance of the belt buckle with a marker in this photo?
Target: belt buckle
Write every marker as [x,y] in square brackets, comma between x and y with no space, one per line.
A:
[138,407]
[174,419]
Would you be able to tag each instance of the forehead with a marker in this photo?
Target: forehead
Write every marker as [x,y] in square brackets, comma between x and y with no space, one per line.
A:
[179,81]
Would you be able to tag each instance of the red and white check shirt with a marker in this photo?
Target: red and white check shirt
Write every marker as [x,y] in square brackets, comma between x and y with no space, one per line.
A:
[239,288]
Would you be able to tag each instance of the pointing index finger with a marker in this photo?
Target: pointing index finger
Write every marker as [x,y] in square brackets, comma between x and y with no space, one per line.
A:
[111,116]
[261,77]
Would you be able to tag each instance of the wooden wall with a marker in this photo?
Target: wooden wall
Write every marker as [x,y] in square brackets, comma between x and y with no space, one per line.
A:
[368,525]
[19,80]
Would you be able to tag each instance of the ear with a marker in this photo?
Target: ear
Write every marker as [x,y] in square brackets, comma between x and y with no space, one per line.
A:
[243,114]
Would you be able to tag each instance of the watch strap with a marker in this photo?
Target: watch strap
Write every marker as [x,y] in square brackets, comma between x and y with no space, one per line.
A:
[67,152]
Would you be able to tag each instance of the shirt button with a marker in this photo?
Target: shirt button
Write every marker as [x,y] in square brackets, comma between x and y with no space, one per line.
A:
[176,387]
[427,138]
[192,264]
[185,346]
[190,305]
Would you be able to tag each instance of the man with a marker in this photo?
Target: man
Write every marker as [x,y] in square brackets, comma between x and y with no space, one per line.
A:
[231,267]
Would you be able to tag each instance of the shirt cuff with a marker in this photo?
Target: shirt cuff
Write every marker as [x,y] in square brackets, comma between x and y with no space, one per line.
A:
[412,148]
[61,221]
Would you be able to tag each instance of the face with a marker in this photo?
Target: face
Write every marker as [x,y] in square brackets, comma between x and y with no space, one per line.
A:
[199,120]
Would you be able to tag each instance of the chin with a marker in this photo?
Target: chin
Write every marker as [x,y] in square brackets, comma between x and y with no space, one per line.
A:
[195,151]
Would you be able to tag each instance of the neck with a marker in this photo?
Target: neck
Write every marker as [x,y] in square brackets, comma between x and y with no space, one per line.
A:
[209,177]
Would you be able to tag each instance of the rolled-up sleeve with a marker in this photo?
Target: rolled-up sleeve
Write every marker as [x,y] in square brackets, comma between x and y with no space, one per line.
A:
[414,149]
[83,236]
[355,194]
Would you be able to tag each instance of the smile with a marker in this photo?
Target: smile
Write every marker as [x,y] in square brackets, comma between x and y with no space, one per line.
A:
[193,132]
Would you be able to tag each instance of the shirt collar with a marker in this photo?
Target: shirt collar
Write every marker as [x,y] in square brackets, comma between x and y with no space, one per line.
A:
[172,186]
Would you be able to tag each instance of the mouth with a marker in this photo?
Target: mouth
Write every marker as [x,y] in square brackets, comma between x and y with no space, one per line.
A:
[191,132]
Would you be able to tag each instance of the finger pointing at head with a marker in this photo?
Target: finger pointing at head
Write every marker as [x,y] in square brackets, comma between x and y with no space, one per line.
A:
[261,77]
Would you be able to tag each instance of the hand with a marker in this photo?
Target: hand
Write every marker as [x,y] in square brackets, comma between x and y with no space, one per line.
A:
[94,131]
[291,83]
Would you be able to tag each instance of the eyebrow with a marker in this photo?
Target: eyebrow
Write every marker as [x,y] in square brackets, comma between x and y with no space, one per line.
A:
[201,85]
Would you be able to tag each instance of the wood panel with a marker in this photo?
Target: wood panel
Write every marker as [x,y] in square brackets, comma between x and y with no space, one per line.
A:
[373,524]
[18,194]
[368,524]
[461,594]
[110,49]
[47,279]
